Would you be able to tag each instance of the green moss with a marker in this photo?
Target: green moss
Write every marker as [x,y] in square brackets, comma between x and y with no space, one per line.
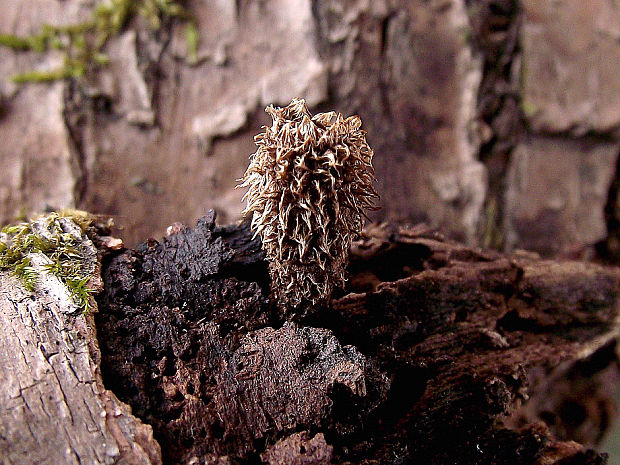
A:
[14,42]
[82,44]
[529,108]
[192,39]
[47,76]
[492,235]
[65,253]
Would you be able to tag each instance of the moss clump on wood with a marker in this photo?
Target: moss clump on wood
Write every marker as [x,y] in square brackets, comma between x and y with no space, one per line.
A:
[53,237]
[82,43]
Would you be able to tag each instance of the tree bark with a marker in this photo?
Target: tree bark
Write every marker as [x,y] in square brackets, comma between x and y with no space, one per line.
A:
[429,356]
[54,408]
[496,120]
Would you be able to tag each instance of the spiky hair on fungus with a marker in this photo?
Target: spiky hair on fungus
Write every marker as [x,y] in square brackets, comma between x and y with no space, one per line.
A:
[309,185]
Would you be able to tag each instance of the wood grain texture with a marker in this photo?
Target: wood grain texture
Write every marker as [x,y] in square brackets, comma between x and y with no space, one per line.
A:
[54,408]
[426,356]
[431,354]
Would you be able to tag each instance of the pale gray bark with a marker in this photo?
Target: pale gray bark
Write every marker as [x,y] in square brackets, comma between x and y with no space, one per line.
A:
[54,408]
[466,105]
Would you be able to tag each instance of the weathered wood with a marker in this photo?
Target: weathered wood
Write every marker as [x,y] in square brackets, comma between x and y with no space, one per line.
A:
[429,356]
[54,408]
[424,358]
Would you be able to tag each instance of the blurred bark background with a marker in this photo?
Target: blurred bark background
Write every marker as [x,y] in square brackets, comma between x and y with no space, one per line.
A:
[496,120]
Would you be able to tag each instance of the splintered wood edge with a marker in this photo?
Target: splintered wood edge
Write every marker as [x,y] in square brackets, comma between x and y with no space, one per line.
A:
[54,407]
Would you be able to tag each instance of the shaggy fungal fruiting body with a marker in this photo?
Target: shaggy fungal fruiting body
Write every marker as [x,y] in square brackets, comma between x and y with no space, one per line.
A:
[309,184]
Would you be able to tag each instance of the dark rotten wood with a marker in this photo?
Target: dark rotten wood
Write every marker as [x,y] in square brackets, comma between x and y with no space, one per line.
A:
[425,358]
[429,356]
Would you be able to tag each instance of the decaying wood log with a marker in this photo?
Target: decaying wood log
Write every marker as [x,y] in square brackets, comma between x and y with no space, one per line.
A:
[54,408]
[429,356]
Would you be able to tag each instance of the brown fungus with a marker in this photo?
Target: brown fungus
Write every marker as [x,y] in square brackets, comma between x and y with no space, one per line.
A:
[309,185]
